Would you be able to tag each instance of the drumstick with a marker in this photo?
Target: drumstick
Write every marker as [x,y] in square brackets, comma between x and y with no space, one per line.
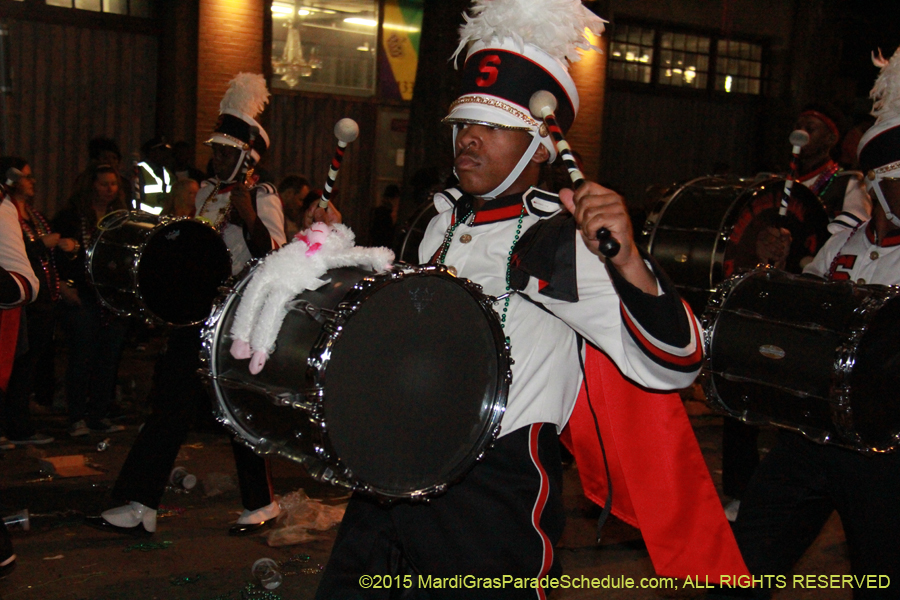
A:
[346,130]
[542,104]
[798,139]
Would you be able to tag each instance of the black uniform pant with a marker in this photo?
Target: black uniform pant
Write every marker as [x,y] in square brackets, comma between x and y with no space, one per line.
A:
[179,399]
[30,372]
[504,518]
[792,494]
[740,455]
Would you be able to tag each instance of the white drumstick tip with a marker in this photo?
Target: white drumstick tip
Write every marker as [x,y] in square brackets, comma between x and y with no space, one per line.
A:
[542,103]
[799,138]
[346,130]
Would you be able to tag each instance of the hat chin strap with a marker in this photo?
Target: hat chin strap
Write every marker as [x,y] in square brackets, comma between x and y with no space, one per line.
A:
[514,174]
[237,167]
[873,183]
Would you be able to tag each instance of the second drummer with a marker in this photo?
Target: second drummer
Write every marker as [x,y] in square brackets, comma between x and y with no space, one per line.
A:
[252,225]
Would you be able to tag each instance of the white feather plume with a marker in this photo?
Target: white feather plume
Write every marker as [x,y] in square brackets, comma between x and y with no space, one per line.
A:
[555,26]
[246,93]
[886,92]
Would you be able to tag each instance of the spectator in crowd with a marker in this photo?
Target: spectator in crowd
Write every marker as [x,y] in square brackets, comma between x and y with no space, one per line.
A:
[293,189]
[18,286]
[384,218]
[181,200]
[44,249]
[183,163]
[94,335]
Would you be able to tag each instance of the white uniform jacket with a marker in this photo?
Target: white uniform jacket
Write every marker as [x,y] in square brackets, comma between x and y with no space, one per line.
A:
[857,255]
[655,341]
[13,257]
[268,208]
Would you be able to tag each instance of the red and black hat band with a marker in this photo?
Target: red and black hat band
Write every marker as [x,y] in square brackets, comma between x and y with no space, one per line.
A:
[882,149]
[514,78]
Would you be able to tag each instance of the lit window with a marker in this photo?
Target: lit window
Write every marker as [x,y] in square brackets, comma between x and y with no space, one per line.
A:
[739,67]
[135,8]
[631,53]
[325,49]
[683,60]
[654,56]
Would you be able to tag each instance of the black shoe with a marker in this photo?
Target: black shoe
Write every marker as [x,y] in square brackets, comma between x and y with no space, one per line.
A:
[239,529]
[98,522]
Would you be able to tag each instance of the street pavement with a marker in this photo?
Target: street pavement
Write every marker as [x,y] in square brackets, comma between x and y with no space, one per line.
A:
[192,557]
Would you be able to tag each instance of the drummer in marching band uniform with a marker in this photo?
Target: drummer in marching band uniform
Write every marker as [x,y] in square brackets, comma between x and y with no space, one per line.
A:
[842,193]
[800,482]
[250,220]
[505,516]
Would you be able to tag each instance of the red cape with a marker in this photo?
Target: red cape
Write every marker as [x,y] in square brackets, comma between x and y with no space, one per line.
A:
[9,335]
[661,484]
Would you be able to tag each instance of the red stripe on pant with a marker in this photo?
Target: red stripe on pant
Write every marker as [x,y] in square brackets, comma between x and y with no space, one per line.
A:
[539,504]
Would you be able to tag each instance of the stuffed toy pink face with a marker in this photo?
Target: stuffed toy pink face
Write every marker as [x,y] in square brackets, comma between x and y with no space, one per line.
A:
[314,237]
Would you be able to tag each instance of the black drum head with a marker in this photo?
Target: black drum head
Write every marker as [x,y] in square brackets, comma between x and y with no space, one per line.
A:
[180,271]
[757,209]
[411,385]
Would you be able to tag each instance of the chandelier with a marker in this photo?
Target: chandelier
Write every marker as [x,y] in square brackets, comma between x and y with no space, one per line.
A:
[293,67]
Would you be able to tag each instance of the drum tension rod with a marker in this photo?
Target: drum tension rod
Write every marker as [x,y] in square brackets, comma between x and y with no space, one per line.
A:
[308,308]
[502,297]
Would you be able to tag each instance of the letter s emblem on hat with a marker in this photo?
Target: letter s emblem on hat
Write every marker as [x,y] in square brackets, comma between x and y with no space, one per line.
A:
[488,71]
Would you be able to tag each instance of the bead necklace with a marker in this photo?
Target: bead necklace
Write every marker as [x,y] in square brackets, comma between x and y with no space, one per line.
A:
[220,220]
[35,227]
[448,238]
[509,269]
[824,179]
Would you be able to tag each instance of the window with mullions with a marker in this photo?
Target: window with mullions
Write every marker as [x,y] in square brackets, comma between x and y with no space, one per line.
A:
[135,8]
[655,56]
[631,53]
[683,60]
[739,67]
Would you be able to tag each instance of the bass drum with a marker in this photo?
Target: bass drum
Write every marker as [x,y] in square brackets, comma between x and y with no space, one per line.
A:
[821,358]
[165,270]
[706,230]
[391,384]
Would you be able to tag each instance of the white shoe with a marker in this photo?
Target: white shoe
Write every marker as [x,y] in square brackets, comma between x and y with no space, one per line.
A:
[260,515]
[731,510]
[251,521]
[79,429]
[131,515]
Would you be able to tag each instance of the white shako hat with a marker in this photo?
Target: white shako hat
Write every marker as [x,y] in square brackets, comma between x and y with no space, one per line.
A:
[516,48]
[244,100]
[879,148]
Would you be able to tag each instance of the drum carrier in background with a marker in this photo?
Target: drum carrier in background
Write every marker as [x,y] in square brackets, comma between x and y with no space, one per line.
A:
[166,270]
[818,357]
[391,384]
[705,230]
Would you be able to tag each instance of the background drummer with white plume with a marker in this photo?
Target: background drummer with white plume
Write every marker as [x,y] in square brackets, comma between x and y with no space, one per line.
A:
[800,482]
[248,215]
[503,233]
